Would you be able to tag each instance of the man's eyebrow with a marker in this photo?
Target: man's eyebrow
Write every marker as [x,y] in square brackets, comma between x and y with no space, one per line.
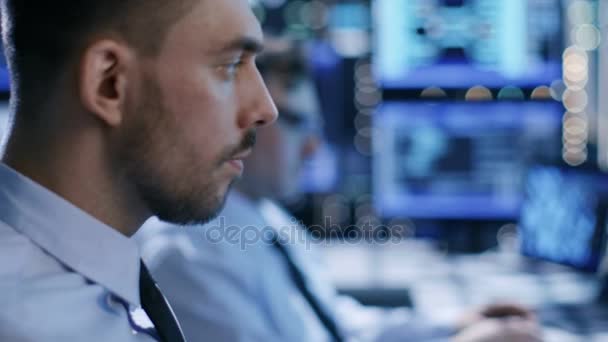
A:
[247,44]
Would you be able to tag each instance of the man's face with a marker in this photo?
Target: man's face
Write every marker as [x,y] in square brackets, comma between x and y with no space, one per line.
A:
[193,114]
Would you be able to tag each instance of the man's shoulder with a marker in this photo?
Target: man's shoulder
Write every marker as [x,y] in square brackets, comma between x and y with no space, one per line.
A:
[15,253]
[40,297]
[25,267]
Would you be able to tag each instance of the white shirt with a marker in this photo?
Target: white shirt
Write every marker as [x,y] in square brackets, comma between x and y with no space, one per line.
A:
[64,276]
[226,282]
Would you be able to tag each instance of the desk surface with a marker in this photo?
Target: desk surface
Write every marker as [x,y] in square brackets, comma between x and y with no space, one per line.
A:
[443,285]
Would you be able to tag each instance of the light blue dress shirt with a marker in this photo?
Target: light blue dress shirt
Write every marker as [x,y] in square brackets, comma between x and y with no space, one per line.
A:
[64,276]
[227,283]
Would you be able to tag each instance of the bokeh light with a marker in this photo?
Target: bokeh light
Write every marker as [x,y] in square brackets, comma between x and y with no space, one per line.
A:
[511,93]
[587,37]
[558,87]
[541,93]
[363,142]
[575,158]
[369,98]
[433,93]
[580,12]
[575,101]
[479,93]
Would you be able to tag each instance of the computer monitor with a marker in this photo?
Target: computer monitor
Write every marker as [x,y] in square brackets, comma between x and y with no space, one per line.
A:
[463,43]
[459,160]
[563,217]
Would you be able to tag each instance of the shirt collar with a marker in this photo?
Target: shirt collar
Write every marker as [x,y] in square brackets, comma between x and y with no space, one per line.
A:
[78,240]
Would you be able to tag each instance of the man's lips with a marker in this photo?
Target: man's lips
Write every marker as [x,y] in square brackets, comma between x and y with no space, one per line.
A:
[242,155]
[237,164]
[237,160]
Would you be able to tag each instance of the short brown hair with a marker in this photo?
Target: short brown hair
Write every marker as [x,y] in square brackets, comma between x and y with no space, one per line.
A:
[41,37]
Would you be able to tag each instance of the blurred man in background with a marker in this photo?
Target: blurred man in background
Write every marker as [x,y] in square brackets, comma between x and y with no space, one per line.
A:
[250,276]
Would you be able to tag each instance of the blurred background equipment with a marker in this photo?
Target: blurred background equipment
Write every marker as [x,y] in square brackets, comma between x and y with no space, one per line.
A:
[434,110]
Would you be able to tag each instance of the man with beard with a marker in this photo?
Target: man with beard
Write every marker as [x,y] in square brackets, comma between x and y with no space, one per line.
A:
[250,275]
[121,110]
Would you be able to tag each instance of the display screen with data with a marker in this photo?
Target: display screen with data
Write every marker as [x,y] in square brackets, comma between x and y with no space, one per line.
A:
[564,216]
[462,43]
[459,160]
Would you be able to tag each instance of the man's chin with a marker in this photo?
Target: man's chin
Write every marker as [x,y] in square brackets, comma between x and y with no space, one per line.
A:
[195,210]
[191,213]
[220,203]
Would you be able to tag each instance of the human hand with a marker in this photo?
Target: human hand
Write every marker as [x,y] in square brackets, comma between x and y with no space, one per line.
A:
[500,310]
[512,329]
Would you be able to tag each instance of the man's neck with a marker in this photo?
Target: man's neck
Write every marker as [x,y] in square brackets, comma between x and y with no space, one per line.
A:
[80,178]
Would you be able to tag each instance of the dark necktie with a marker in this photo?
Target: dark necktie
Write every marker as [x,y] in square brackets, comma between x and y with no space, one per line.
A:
[298,279]
[157,308]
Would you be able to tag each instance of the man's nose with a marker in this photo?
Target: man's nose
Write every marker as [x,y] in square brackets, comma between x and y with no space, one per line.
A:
[261,108]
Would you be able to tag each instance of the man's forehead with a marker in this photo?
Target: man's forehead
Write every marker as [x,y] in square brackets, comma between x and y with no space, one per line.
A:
[231,25]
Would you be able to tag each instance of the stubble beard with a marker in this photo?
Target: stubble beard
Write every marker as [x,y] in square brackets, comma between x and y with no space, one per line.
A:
[165,175]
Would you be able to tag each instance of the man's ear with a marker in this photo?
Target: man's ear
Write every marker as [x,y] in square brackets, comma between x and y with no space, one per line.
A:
[103,80]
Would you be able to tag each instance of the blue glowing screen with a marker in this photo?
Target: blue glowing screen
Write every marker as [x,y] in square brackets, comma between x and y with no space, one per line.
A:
[456,44]
[563,217]
[459,160]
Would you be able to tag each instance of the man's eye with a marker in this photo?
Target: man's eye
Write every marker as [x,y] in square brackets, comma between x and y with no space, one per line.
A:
[232,68]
